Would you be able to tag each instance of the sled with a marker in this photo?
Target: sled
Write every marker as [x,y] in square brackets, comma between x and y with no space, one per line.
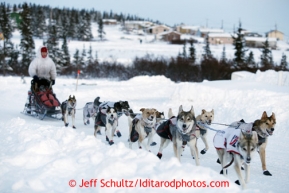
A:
[43,102]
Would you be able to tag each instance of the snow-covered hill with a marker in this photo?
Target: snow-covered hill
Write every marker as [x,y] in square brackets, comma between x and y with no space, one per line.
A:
[123,48]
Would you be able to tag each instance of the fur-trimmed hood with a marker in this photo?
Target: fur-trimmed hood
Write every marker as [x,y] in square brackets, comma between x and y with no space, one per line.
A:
[42,67]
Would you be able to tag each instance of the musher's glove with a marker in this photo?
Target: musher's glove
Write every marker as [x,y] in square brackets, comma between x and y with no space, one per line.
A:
[35,78]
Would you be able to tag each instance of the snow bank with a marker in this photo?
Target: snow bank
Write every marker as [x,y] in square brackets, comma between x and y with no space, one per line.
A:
[272,77]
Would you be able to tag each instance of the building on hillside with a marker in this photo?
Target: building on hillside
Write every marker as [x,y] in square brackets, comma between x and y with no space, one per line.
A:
[220,38]
[203,32]
[137,25]
[252,34]
[188,29]
[170,36]
[258,42]
[109,21]
[275,34]
[158,29]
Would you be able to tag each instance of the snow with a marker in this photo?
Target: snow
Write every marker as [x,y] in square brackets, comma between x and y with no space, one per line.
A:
[44,155]
[123,48]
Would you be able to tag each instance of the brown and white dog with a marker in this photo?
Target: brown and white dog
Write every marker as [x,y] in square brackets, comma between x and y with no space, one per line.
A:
[264,128]
[68,109]
[205,118]
[240,141]
[143,126]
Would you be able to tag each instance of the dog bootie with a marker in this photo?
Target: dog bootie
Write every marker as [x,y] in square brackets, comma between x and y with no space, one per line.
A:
[66,124]
[160,155]
[221,172]
[98,132]
[267,173]
[203,151]
[218,161]
[88,122]
[118,133]
[106,138]
[73,127]
[111,143]
[237,182]
[153,144]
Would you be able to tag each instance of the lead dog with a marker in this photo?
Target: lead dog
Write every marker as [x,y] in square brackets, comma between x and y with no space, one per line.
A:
[239,141]
[181,130]
[68,109]
[142,126]
[264,128]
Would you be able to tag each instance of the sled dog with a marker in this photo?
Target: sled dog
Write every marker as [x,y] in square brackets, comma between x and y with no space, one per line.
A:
[159,118]
[239,141]
[68,109]
[264,128]
[142,126]
[121,107]
[206,117]
[111,124]
[181,130]
[90,110]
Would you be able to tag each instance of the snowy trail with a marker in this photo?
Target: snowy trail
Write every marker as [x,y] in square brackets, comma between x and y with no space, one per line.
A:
[43,155]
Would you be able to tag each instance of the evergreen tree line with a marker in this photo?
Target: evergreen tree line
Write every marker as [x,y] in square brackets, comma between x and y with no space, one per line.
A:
[184,67]
[52,25]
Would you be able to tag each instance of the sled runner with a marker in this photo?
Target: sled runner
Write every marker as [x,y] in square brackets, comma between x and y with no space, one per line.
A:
[42,102]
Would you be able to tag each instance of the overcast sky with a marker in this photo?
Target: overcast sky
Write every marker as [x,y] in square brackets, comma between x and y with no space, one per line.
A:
[255,15]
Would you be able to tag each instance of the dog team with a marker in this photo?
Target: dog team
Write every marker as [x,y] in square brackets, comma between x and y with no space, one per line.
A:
[239,141]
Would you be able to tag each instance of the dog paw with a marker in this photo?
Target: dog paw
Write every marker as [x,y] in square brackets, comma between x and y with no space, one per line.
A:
[221,172]
[267,173]
[98,132]
[111,143]
[160,155]
[218,161]
[66,124]
[118,133]
[237,182]
[203,151]
[153,144]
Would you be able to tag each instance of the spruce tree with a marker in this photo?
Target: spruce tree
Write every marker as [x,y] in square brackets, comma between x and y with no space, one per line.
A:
[223,57]
[192,52]
[27,45]
[207,55]
[53,45]
[6,29]
[284,63]
[65,57]
[76,60]
[239,44]
[184,55]
[250,61]
[266,56]
[100,29]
